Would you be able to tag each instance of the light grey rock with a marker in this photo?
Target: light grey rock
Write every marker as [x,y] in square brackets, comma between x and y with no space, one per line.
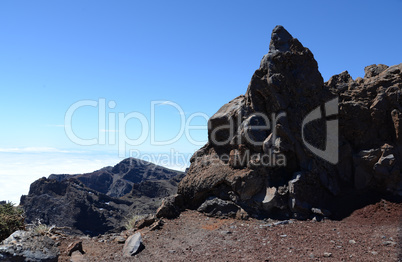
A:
[271,197]
[321,212]
[133,245]
[28,246]
[389,243]
[284,222]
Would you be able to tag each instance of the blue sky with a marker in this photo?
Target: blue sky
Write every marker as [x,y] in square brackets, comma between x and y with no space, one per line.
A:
[197,54]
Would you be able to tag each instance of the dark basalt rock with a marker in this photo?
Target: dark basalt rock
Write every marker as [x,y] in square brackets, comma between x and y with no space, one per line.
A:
[70,203]
[215,207]
[118,181]
[102,201]
[286,89]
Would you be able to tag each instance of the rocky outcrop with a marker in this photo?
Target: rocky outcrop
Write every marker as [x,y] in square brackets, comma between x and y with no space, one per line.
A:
[70,203]
[216,207]
[294,144]
[89,203]
[170,207]
[28,246]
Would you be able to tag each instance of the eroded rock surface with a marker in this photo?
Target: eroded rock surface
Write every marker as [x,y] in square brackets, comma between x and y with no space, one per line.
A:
[101,201]
[120,179]
[293,144]
[28,246]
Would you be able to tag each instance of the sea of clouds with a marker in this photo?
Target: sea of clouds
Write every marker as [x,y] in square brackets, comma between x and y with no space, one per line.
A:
[19,167]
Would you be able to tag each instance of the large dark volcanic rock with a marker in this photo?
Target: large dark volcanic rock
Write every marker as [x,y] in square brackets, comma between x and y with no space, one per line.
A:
[70,203]
[294,144]
[101,201]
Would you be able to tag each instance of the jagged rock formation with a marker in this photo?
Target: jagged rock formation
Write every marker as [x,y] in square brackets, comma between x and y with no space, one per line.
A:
[101,201]
[294,145]
[119,180]
[69,203]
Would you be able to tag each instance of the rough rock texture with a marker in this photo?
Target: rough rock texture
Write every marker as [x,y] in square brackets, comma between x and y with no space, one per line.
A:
[293,144]
[368,234]
[216,207]
[145,222]
[170,207]
[74,200]
[119,180]
[133,245]
[75,246]
[70,203]
[28,246]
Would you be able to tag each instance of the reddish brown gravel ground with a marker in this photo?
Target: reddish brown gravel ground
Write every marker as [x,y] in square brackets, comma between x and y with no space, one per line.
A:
[368,234]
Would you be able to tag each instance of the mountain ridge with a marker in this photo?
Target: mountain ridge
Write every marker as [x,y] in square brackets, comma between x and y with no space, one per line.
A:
[101,201]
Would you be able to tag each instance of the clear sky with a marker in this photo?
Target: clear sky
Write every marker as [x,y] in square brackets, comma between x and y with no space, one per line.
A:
[111,59]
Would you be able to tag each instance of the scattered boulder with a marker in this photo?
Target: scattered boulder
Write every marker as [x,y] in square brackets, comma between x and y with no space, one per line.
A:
[145,222]
[171,207]
[216,207]
[120,240]
[133,245]
[29,246]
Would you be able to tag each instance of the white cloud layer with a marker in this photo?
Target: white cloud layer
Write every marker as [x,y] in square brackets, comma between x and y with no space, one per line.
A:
[19,167]
[18,171]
